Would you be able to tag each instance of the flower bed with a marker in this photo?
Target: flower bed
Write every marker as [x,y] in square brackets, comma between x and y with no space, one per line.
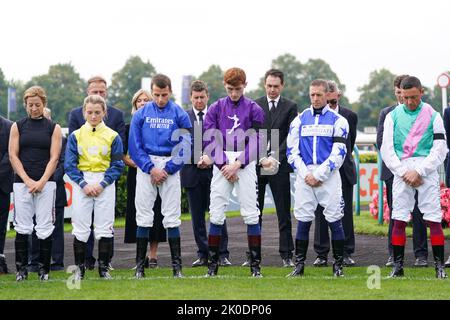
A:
[445,205]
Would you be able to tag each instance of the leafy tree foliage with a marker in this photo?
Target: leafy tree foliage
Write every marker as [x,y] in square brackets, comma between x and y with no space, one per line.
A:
[127,81]
[3,94]
[297,78]
[375,95]
[213,77]
[65,90]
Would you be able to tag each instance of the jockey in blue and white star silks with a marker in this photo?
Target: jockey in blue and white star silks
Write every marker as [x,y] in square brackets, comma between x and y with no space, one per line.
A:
[316,145]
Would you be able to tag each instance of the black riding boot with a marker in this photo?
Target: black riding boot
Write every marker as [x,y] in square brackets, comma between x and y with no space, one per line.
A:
[79,251]
[439,266]
[301,247]
[213,255]
[338,255]
[104,255]
[21,244]
[45,255]
[254,246]
[175,253]
[141,257]
[399,254]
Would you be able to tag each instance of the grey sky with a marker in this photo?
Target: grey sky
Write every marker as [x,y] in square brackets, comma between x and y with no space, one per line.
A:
[185,37]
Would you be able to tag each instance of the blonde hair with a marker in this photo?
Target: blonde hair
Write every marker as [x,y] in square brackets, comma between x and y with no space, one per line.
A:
[136,96]
[35,91]
[94,99]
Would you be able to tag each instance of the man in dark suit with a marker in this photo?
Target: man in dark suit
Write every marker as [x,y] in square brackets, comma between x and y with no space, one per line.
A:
[6,186]
[348,179]
[279,113]
[420,244]
[114,120]
[197,182]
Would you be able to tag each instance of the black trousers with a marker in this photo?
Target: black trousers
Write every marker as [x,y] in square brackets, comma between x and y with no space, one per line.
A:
[198,198]
[321,236]
[4,210]
[420,244]
[281,191]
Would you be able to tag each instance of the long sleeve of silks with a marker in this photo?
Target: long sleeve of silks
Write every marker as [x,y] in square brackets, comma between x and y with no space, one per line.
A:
[294,157]
[116,167]
[438,151]
[388,154]
[71,162]
[136,144]
[184,144]
[338,151]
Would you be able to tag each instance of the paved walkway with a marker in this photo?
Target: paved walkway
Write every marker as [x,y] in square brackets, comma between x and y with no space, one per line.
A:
[370,250]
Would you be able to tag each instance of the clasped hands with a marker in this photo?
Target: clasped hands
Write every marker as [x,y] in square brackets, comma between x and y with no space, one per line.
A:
[35,186]
[269,164]
[412,178]
[311,181]
[158,176]
[93,190]
[229,171]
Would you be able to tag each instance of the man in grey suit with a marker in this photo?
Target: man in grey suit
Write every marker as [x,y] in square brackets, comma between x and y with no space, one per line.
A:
[279,113]
[6,186]
[420,244]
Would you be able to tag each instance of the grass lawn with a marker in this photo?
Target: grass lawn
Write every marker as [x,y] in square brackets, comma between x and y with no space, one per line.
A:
[233,283]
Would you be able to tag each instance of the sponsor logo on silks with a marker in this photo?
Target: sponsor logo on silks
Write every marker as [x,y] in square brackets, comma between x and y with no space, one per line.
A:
[331,165]
[344,132]
[321,130]
[159,123]
[236,123]
[342,152]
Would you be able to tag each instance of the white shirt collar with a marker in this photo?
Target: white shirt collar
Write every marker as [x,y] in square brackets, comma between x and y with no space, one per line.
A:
[276,101]
[196,112]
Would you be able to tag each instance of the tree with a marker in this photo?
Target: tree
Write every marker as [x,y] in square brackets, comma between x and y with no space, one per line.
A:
[213,77]
[375,95]
[3,95]
[297,78]
[127,81]
[65,90]
[434,96]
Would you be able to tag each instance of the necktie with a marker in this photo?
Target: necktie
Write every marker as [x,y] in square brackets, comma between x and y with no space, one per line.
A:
[272,106]
[200,116]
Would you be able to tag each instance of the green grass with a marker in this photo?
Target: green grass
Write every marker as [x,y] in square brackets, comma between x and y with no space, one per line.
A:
[366,224]
[233,283]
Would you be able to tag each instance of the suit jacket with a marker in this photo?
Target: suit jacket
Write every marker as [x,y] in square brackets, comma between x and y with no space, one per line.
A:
[284,114]
[6,171]
[348,168]
[114,119]
[447,125]
[386,174]
[190,174]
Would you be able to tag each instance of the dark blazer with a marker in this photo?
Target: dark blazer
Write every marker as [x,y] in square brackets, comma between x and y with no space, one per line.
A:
[61,198]
[284,114]
[447,125]
[6,171]
[385,172]
[114,119]
[348,168]
[190,174]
